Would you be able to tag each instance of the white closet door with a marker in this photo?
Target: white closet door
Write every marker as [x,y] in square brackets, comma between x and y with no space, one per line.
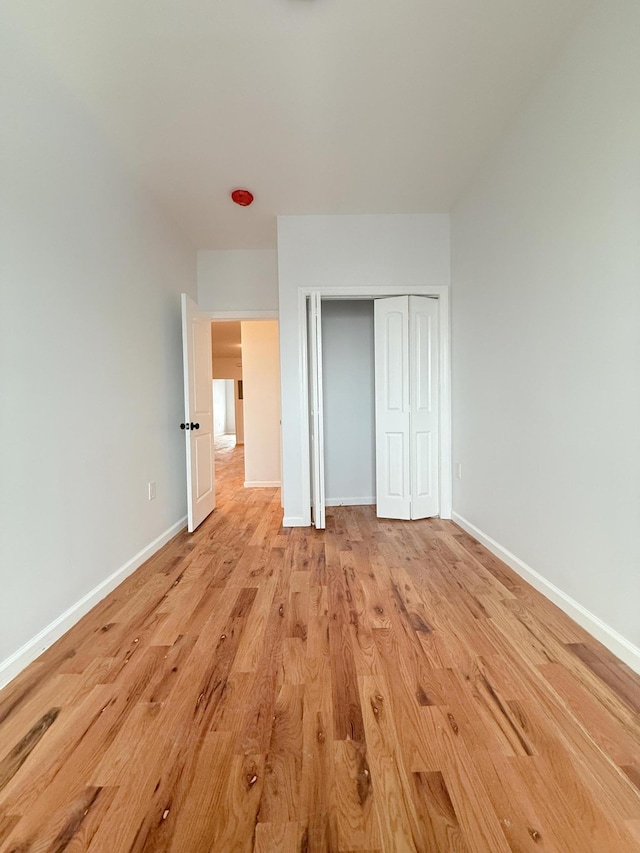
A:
[317,411]
[425,415]
[393,420]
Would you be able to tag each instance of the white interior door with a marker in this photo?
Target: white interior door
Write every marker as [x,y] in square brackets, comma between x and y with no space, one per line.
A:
[424,378]
[198,407]
[406,405]
[316,413]
[392,407]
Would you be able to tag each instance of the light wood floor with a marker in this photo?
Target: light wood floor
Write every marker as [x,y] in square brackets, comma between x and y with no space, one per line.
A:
[381,686]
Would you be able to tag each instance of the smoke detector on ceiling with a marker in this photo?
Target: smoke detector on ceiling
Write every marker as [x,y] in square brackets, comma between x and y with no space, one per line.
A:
[242,197]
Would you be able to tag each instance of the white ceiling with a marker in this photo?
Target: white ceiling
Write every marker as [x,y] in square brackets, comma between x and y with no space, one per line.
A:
[317,106]
[226,339]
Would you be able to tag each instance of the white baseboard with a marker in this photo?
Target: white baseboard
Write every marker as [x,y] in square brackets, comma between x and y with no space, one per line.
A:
[295,521]
[350,502]
[609,637]
[261,484]
[15,663]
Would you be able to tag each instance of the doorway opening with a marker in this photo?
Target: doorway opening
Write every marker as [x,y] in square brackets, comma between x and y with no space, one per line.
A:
[246,394]
[244,355]
[226,372]
[348,402]
[224,409]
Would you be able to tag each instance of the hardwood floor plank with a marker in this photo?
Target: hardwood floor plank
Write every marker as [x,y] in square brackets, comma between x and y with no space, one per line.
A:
[472,805]
[403,671]
[283,765]
[257,722]
[440,826]
[81,733]
[7,823]
[379,686]
[250,649]
[615,737]
[356,816]
[277,836]
[616,676]
[633,826]
[12,762]
[400,828]
[518,818]
[318,816]
[318,636]
[199,822]
[56,833]
[347,715]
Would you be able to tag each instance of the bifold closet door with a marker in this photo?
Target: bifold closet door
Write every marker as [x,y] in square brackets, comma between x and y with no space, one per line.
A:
[316,412]
[407,413]
[424,379]
[393,421]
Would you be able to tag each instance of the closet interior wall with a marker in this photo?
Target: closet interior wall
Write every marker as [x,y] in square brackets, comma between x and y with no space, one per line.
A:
[349,399]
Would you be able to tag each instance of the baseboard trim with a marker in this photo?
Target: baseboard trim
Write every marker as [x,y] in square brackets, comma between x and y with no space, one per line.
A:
[609,637]
[350,502]
[295,521]
[15,663]
[261,484]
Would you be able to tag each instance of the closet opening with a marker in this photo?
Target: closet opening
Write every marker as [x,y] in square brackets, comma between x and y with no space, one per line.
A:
[349,398]
[375,377]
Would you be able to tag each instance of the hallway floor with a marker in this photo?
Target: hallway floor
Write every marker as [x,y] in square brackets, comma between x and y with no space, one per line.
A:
[380,686]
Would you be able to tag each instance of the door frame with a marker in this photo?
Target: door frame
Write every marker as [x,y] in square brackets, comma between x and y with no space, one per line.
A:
[231,316]
[378,292]
[316,410]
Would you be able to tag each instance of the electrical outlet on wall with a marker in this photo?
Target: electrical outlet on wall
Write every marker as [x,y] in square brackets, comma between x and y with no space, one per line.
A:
[458,469]
[152,491]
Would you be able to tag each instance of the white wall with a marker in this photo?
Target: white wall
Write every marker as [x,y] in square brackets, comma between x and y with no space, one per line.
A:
[367,251]
[90,358]
[230,425]
[261,381]
[219,406]
[231,368]
[546,330]
[224,406]
[227,368]
[238,280]
[349,414]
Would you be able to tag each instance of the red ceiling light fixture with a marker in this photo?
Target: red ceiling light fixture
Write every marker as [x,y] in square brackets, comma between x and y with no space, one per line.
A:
[242,197]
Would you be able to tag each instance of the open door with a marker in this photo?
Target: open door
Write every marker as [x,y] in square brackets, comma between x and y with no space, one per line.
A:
[198,407]
[407,407]
[393,417]
[424,378]
[316,413]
